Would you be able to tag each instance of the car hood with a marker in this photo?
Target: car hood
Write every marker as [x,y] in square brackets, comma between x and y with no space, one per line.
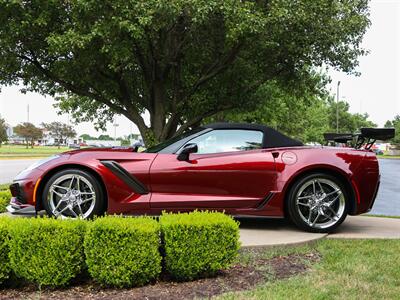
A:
[99,149]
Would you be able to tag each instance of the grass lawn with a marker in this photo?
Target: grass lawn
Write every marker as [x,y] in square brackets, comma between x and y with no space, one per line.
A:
[388,156]
[20,151]
[381,216]
[4,186]
[348,269]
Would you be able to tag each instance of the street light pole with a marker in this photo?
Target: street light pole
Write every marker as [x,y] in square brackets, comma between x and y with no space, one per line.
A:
[115,130]
[337,107]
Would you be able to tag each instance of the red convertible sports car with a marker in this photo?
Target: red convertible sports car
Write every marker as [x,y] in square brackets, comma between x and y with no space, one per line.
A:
[242,169]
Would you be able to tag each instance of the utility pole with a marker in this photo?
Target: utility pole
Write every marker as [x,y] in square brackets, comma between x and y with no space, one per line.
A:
[115,130]
[337,107]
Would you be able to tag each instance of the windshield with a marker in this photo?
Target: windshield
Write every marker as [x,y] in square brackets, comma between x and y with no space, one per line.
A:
[165,144]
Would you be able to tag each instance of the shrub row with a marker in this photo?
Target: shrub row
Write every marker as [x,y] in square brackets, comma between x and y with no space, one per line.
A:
[4,250]
[5,197]
[117,251]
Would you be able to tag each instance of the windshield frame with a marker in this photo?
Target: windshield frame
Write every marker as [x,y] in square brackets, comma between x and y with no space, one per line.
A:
[173,144]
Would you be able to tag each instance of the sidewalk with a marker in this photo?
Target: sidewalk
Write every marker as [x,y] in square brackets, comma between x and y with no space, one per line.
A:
[266,232]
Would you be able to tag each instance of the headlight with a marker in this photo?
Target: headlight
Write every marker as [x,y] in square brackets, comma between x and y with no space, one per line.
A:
[41,162]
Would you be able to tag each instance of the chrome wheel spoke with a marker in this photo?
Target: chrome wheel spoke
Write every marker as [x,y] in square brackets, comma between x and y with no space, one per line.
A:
[313,187]
[57,206]
[303,204]
[60,187]
[320,187]
[57,193]
[78,184]
[305,197]
[329,203]
[315,220]
[71,209]
[87,193]
[87,200]
[71,184]
[332,193]
[333,213]
[80,209]
[57,213]
[309,216]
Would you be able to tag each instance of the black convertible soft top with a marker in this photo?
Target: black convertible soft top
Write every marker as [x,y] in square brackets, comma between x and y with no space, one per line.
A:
[272,138]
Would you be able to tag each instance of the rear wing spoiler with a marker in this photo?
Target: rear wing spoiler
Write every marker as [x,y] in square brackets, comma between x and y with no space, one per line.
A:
[366,136]
[338,137]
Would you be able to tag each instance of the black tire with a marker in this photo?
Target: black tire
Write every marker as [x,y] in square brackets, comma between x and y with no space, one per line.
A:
[295,211]
[97,209]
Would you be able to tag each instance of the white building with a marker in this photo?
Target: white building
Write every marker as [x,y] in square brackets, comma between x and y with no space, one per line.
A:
[9,130]
[48,140]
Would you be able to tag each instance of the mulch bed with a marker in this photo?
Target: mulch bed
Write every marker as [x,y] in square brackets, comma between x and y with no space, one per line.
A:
[239,277]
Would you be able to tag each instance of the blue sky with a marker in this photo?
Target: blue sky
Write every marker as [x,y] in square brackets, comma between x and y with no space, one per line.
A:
[376,91]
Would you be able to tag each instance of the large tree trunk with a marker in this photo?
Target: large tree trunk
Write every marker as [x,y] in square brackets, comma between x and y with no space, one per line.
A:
[157,113]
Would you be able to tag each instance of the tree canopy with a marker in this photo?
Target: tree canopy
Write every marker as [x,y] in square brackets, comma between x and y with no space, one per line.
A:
[177,61]
[59,131]
[395,123]
[348,122]
[3,131]
[87,137]
[305,116]
[29,132]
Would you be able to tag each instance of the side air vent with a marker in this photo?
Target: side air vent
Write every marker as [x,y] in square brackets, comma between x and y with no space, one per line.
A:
[125,176]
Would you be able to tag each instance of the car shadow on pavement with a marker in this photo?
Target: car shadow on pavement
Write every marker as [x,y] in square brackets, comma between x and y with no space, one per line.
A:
[263,223]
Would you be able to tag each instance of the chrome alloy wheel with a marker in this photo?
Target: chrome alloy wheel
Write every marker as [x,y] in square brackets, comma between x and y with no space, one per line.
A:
[320,203]
[71,196]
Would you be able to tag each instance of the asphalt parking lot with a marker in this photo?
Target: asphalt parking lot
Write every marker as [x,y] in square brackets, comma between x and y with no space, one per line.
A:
[387,201]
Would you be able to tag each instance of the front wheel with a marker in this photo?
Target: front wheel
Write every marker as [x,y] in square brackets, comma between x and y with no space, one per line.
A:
[73,193]
[318,203]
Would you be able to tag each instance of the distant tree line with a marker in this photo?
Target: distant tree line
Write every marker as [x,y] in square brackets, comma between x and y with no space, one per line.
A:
[3,131]
[30,133]
[395,123]
[304,116]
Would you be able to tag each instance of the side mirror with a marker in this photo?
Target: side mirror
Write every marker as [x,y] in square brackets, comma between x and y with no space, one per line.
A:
[187,149]
[136,146]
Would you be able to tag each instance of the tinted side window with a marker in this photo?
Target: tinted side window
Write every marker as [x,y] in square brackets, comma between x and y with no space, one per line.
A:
[226,140]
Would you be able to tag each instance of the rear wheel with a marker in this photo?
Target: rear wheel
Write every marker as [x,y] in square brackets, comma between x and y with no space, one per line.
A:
[73,193]
[318,203]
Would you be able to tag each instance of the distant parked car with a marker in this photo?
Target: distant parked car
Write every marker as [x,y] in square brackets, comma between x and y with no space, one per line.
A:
[378,151]
[74,146]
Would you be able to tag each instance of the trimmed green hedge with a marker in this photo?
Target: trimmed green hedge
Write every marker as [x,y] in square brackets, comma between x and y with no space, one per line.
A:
[123,252]
[117,251]
[4,261]
[46,251]
[5,197]
[199,243]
